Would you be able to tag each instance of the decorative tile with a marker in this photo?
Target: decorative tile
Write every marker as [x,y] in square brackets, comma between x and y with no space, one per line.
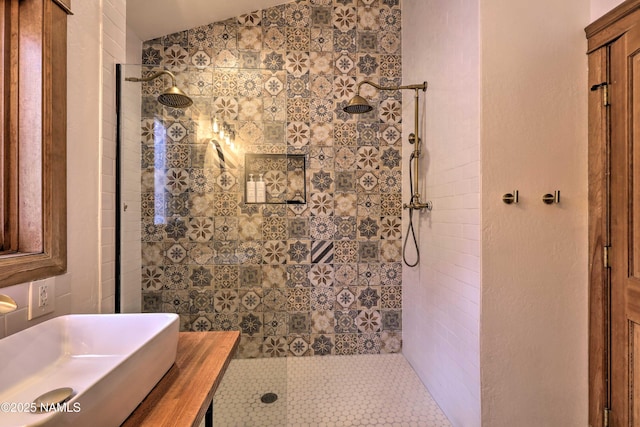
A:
[390,111]
[346,344]
[322,228]
[391,320]
[322,251]
[391,228]
[390,204]
[298,134]
[299,323]
[369,251]
[298,110]
[274,38]
[250,276]
[322,345]
[250,347]
[276,323]
[298,87]
[275,346]
[251,324]
[344,17]
[321,63]
[298,275]
[299,251]
[345,321]
[368,181]
[344,134]
[274,276]
[368,228]
[225,204]
[390,250]
[369,320]
[274,16]
[279,77]
[297,15]
[226,301]
[226,276]
[298,345]
[298,39]
[369,343]
[390,20]
[345,228]
[152,278]
[322,181]
[175,253]
[346,251]
[249,252]
[367,41]
[275,300]
[320,17]
[200,254]
[152,302]
[299,299]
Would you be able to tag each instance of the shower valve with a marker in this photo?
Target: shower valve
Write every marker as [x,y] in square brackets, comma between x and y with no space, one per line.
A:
[418,205]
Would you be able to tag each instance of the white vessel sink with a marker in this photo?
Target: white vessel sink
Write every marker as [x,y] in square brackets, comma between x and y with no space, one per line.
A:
[111,361]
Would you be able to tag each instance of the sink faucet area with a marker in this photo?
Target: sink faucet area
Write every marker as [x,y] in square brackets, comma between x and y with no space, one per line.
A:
[93,369]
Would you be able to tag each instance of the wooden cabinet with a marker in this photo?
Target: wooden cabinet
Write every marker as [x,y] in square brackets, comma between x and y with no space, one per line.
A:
[614,217]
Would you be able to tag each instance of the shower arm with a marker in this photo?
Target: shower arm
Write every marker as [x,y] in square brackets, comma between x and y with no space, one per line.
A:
[414,139]
[153,77]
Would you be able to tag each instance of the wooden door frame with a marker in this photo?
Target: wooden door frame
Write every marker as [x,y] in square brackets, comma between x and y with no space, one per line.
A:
[600,34]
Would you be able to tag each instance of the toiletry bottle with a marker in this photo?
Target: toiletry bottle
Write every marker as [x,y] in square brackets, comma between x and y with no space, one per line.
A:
[261,190]
[251,190]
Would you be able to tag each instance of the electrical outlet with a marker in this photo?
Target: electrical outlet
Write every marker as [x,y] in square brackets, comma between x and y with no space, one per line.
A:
[41,298]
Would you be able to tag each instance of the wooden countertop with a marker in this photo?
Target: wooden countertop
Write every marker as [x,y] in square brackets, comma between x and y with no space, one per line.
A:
[184,394]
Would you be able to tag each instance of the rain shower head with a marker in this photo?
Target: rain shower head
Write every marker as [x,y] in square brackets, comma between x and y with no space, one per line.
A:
[357,105]
[172,97]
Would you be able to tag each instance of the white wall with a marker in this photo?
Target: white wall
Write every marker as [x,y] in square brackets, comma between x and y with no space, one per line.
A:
[600,7]
[78,291]
[534,256]
[113,52]
[441,297]
[130,163]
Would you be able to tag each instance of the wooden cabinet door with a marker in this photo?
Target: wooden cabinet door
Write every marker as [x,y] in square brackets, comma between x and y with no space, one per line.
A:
[625,229]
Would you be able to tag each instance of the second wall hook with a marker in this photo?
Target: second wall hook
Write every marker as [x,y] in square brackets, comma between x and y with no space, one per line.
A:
[550,199]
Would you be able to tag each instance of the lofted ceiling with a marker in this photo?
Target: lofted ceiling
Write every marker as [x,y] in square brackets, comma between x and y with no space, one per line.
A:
[153,18]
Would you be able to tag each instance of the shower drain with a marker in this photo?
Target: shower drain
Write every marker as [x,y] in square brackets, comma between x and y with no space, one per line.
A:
[269,398]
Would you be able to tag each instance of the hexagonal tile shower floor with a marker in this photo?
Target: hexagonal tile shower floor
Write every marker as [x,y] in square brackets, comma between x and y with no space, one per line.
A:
[367,390]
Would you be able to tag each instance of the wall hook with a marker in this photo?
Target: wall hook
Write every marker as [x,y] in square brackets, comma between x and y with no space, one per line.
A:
[550,199]
[510,198]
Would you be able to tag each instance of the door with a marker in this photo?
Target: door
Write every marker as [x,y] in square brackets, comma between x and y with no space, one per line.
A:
[624,220]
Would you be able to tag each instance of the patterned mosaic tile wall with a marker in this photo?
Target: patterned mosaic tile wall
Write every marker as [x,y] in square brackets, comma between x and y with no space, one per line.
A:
[318,278]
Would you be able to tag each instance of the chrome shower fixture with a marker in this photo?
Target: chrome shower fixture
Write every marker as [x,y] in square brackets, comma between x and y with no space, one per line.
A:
[359,105]
[172,97]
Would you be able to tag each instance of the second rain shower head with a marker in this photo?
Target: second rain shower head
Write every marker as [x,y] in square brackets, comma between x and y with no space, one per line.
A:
[172,97]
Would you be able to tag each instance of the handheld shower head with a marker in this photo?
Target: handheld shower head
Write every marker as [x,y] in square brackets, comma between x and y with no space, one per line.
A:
[172,97]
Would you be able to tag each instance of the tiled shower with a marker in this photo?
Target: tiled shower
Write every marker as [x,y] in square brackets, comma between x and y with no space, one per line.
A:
[322,277]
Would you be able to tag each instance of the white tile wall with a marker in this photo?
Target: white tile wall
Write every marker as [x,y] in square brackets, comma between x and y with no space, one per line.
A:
[441,311]
[114,36]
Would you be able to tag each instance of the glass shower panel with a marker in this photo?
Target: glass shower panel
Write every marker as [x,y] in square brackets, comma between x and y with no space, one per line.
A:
[188,241]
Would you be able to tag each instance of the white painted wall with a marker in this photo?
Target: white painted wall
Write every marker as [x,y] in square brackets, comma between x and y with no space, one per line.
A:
[89,49]
[534,256]
[600,7]
[113,52]
[441,297]
[131,255]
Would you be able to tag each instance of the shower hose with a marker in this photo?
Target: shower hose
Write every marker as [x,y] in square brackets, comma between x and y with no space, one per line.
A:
[410,229]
